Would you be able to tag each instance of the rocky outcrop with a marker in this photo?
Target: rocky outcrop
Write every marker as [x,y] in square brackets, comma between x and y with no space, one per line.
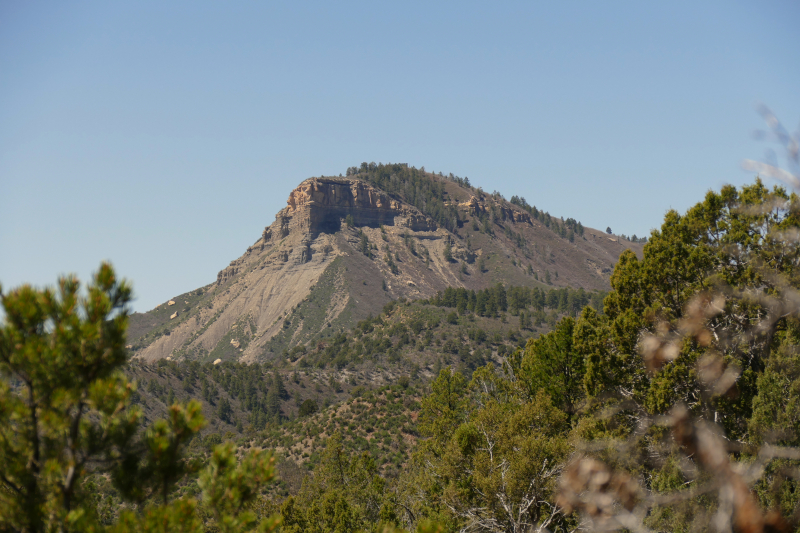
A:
[228,272]
[473,206]
[305,252]
[283,222]
[476,206]
[319,205]
[516,216]
[415,222]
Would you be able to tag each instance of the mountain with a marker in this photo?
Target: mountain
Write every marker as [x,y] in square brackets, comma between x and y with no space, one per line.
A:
[344,247]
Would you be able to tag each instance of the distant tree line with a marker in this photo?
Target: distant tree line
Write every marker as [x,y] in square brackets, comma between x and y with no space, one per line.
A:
[490,302]
[415,187]
[567,229]
[633,238]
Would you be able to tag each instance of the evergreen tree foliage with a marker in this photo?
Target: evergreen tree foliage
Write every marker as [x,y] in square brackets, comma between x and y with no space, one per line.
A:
[416,187]
[345,494]
[489,302]
[551,364]
[62,398]
[66,416]
[720,244]
[701,331]
[487,462]
[448,253]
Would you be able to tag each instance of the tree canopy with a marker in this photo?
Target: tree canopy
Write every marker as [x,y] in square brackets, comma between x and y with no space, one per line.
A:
[66,415]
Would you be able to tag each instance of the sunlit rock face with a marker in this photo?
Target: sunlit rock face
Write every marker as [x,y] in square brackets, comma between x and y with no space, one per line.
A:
[478,207]
[319,205]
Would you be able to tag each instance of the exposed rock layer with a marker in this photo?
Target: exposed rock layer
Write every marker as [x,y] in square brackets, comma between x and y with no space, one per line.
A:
[319,205]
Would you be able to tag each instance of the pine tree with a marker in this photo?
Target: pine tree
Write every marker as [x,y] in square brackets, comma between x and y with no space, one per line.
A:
[224,410]
[364,246]
[65,415]
[277,382]
[273,404]
[448,253]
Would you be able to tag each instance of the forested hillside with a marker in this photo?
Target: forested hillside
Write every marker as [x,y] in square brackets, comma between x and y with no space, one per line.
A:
[408,340]
[673,406]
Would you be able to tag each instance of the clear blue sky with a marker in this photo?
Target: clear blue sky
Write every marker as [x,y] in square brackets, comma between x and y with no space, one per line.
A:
[164,136]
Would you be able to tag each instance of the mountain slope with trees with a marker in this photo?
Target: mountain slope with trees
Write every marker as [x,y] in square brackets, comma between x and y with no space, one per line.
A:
[675,407]
[344,247]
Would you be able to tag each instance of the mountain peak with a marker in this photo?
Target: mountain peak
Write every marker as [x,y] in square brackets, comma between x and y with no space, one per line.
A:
[344,247]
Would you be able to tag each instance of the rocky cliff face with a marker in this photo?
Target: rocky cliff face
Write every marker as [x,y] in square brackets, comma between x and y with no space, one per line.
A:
[319,205]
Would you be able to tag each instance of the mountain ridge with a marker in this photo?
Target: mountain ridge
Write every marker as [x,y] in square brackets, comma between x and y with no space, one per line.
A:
[345,246]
